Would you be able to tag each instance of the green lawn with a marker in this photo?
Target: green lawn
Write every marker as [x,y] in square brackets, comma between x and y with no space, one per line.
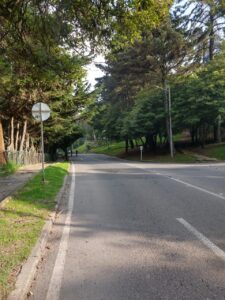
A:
[118,148]
[166,158]
[115,148]
[22,219]
[215,151]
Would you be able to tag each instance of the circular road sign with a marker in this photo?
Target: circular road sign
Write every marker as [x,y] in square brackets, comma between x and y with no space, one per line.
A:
[41,111]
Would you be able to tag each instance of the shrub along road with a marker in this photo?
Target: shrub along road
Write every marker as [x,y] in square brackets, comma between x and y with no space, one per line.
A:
[137,231]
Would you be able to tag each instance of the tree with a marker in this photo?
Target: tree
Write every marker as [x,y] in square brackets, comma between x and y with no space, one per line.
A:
[146,119]
[204,23]
[145,64]
[33,34]
[200,98]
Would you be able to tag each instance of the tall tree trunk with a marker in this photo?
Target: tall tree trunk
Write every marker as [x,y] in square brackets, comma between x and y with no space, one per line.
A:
[215,132]
[192,135]
[219,139]
[17,136]
[202,135]
[2,146]
[27,144]
[131,144]
[166,107]
[94,136]
[11,146]
[23,135]
[66,153]
[211,36]
[126,145]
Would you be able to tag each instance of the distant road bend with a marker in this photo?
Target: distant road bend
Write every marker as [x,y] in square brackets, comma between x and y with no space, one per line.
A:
[130,230]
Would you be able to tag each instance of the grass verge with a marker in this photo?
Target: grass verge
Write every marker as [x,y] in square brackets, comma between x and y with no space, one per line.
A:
[8,169]
[22,219]
[215,151]
[111,149]
[165,158]
[115,148]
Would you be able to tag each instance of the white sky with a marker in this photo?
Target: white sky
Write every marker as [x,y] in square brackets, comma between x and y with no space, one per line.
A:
[93,72]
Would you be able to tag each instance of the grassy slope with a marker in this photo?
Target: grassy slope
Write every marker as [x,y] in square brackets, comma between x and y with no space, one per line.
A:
[178,158]
[117,149]
[112,149]
[22,219]
[216,151]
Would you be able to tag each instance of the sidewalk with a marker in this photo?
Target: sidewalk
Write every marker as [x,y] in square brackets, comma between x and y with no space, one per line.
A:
[10,184]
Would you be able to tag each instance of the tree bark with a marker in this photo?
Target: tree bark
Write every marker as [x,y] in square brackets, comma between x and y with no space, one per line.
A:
[66,153]
[211,36]
[11,145]
[131,144]
[219,139]
[2,146]
[23,135]
[17,136]
[126,145]
[166,107]
[27,145]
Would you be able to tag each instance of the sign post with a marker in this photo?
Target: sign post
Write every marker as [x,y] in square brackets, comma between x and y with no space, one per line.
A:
[41,112]
[141,151]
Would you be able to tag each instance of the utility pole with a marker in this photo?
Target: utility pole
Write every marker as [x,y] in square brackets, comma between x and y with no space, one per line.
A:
[167,91]
[170,122]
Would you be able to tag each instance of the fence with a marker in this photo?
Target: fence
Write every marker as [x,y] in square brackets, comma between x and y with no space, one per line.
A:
[21,157]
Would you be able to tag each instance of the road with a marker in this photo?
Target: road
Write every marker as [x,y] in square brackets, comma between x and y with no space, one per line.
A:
[137,231]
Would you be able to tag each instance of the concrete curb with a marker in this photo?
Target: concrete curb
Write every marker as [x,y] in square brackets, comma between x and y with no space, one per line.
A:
[29,268]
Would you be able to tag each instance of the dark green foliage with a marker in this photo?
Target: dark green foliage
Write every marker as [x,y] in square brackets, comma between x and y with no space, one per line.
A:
[203,23]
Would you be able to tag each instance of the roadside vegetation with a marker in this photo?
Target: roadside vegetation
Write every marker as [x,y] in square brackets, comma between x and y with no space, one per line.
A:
[115,148]
[214,150]
[176,69]
[8,169]
[21,220]
[187,154]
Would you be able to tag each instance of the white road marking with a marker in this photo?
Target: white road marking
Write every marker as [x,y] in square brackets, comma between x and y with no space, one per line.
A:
[217,177]
[181,181]
[215,249]
[197,188]
[57,274]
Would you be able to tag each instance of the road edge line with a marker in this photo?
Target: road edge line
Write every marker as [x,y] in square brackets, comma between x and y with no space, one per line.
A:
[57,273]
[203,239]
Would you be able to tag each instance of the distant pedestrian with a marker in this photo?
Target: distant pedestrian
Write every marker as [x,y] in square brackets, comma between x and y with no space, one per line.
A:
[76,153]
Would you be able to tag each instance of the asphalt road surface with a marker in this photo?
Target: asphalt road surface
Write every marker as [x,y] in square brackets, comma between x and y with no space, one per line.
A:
[137,231]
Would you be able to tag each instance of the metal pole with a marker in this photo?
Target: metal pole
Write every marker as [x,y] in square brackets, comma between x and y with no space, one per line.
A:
[42,147]
[141,154]
[170,123]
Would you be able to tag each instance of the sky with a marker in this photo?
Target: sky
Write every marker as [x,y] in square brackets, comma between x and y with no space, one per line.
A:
[93,72]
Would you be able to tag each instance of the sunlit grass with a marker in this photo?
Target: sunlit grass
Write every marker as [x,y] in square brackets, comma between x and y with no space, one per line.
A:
[8,169]
[215,151]
[22,219]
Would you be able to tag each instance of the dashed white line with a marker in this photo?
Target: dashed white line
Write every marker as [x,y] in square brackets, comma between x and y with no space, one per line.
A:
[220,196]
[57,274]
[197,188]
[215,249]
